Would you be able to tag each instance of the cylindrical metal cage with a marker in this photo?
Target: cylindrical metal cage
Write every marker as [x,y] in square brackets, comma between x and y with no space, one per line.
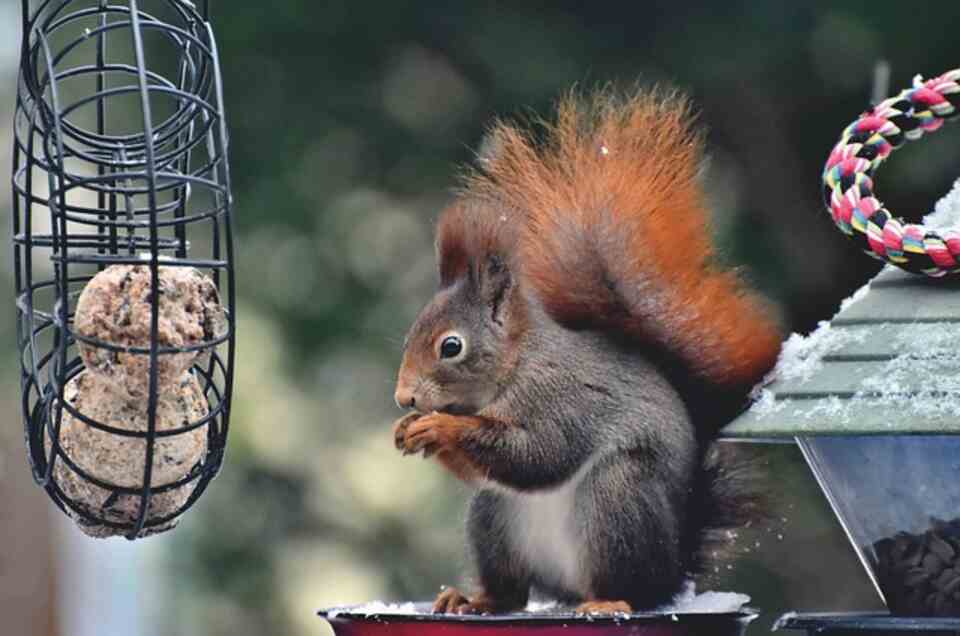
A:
[120,157]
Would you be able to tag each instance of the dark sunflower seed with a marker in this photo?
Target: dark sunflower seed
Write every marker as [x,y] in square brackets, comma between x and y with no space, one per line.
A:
[915,576]
[932,564]
[953,585]
[942,549]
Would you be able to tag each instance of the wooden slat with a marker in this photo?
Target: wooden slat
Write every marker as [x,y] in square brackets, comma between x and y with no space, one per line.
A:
[808,418]
[901,315]
[886,340]
[904,305]
[842,378]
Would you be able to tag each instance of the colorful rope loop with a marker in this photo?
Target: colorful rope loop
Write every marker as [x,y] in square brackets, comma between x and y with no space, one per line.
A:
[865,144]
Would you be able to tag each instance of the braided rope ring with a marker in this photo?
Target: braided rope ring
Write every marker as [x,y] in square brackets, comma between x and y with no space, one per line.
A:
[863,146]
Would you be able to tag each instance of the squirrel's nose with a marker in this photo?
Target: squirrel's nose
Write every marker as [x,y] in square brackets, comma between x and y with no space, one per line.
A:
[404,398]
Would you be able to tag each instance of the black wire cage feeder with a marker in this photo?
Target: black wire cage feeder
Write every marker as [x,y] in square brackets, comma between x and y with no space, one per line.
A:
[121,187]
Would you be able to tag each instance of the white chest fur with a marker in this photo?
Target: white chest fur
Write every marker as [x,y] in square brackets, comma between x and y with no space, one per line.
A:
[544,529]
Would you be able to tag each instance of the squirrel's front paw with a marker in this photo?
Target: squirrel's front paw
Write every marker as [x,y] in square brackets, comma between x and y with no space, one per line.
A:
[431,434]
[440,434]
[400,428]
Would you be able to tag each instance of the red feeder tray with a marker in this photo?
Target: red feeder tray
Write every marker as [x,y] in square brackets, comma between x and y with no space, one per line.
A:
[355,621]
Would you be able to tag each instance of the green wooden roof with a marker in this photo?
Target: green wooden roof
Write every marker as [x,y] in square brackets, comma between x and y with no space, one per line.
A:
[888,362]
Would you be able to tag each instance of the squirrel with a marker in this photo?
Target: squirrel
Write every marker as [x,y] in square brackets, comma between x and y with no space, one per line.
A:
[580,355]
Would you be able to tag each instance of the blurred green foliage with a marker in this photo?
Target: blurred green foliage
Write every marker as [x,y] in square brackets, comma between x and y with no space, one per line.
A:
[348,121]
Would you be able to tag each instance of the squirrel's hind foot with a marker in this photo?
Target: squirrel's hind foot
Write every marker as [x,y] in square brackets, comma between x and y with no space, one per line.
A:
[452,601]
[591,608]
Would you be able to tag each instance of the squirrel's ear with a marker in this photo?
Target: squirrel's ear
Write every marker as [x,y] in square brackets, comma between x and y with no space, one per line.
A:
[495,283]
[490,147]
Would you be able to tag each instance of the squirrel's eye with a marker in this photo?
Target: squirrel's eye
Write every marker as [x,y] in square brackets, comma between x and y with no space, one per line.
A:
[451,346]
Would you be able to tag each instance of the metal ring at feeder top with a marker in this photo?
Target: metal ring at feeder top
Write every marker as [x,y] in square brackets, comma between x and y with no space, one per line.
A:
[863,146]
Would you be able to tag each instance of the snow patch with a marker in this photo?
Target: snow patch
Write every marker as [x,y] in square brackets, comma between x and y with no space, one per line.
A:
[541,607]
[924,356]
[802,356]
[374,608]
[766,402]
[709,602]
[946,213]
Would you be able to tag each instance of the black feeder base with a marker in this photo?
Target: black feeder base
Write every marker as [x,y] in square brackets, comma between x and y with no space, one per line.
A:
[859,624]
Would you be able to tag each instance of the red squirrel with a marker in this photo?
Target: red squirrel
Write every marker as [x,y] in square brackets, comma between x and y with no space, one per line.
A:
[581,352]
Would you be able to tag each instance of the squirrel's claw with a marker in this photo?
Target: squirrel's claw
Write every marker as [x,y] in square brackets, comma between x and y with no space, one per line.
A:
[593,608]
[421,435]
[449,600]
[400,428]
[416,432]
[452,601]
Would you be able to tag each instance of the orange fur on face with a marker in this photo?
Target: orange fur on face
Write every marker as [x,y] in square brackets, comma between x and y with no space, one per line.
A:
[612,232]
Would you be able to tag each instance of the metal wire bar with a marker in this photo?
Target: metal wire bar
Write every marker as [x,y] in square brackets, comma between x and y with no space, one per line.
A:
[89,194]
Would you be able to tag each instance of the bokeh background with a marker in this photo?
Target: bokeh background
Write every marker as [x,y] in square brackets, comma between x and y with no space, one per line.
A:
[348,121]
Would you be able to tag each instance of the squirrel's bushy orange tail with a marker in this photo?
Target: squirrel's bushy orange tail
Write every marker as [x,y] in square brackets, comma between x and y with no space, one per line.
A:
[615,235]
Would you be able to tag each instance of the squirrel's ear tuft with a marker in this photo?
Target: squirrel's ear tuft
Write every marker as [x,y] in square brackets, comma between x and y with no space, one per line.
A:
[491,146]
[495,281]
